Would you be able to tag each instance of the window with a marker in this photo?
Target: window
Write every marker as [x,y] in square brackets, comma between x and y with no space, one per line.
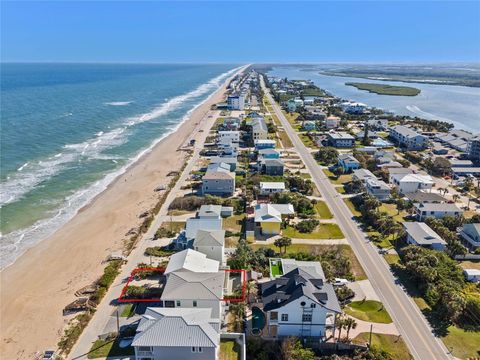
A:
[313,305]
[169,304]
[284,317]
[196,349]
[194,303]
[144,348]
[179,303]
[274,315]
[306,317]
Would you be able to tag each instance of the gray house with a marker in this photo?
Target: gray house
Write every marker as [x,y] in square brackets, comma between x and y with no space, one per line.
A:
[470,234]
[377,188]
[272,167]
[177,333]
[419,233]
[218,183]
[340,139]
[408,138]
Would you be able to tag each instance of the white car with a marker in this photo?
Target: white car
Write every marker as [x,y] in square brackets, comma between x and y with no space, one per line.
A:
[340,282]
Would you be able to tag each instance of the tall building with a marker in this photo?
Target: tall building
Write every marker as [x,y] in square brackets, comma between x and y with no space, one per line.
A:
[473,149]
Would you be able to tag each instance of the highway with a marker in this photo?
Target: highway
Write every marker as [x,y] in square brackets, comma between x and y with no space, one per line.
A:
[408,318]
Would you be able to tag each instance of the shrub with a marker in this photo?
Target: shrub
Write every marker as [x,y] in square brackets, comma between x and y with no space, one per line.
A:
[307,226]
[159,251]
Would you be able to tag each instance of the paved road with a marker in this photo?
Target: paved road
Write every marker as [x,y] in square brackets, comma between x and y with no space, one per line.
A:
[407,317]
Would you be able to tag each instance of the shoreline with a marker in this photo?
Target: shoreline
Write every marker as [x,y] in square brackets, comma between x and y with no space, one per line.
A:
[105,183]
[43,280]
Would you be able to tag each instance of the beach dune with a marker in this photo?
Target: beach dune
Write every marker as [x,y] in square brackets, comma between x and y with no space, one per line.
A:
[36,288]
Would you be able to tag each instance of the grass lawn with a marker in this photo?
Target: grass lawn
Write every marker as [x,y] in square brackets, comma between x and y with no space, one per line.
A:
[322,210]
[368,310]
[340,189]
[338,180]
[229,350]
[469,264]
[175,226]
[276,268]
[391,209]
[128,310]
[105,348]
[307,141]
[357,269]
[464,344]
[284,139]
[391,258]
[233,223]
[352,208]
[392,344]
[176,212]
[322,231]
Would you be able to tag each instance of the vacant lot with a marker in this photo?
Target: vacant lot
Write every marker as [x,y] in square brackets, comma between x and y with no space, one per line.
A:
[368,310]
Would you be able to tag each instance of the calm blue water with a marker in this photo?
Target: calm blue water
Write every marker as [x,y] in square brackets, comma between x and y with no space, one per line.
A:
[69,129]
[459,105]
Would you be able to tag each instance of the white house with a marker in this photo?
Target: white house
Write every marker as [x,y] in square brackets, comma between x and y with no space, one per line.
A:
[299,303]
[378,123]
[189,289]
[229,138]
[267,188]
[191,260]
[203,223]
[436,210]
[408,138]
[409,183]
[419,233]
[268,217]
[470,234]
[377,188]
[353,107]
[211,243]
[236,102]
[177,333]
[472,275]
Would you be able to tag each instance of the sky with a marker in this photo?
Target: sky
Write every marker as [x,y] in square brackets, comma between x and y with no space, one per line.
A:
[240,32]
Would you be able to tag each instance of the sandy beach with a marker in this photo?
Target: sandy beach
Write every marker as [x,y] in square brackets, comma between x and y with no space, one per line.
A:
[36,288]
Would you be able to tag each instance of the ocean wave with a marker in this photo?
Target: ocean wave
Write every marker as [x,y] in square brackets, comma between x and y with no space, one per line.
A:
[422,113]
[15,243]
[118,103]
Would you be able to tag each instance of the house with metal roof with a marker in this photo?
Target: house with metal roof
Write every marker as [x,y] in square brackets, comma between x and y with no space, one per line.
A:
[470,234]
[230,160]
[272,167]
[268,217]
[177,333]
[214,211]
[436,211]
[267,188]
[191,260]
[377,188]
[419,233]
[218,183]
[408,138]
[348,162]
[408,183]
[363,175]
[299,303]
[340,139]
[187,289]
[425,197]
[211,243]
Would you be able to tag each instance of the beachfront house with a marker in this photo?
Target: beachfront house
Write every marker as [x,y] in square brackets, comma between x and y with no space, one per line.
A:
[218,183]
[177,333]
[214,211]
[470,234]
[408,183]
[187,289]
[352,107]
[419,233]
[212,244]
[267,188]
[408,138]
[269,217]
[473,149]
[230,138]
[340,139]
[236,101]
[191,260]
[348,162]
[436,210]
[425,197]
[299,303]
[380,124]
[230,160]
[377,188]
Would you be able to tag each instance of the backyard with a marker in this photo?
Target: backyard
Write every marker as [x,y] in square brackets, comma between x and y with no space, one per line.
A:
[322,231]
[229,350]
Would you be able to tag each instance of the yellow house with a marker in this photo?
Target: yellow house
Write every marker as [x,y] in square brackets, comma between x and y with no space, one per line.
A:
[268,217]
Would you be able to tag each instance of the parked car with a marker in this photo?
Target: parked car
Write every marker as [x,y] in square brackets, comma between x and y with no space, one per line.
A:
[340,282]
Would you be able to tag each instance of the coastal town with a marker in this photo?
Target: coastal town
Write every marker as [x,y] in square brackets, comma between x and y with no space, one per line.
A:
[300,226]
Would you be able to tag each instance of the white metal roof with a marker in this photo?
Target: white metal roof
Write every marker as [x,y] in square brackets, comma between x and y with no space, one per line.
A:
[191,260]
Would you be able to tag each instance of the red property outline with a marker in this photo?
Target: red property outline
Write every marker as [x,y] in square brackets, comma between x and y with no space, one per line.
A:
[121,298]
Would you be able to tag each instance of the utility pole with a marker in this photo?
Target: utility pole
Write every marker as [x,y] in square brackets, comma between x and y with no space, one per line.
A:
[118,323]
[370,337]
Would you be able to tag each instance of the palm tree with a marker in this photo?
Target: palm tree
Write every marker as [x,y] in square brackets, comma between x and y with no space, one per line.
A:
[455,197]
[350,323]
[340,325]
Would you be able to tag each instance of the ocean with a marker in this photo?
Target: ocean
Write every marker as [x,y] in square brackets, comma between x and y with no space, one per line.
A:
[68,130]
[455,104]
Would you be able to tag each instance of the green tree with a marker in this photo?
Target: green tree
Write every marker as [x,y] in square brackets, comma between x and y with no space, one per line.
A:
[283,242]
[350,323]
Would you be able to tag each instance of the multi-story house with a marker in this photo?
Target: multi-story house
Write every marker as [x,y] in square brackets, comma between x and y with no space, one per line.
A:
[408,138]
[470,233]
[436,210]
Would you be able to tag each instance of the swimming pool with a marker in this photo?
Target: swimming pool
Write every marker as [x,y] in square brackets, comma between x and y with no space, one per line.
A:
[258,320]
[381,143]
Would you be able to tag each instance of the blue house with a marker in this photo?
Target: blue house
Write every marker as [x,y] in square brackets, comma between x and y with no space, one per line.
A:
[268,154]
[348,162]
[309,126]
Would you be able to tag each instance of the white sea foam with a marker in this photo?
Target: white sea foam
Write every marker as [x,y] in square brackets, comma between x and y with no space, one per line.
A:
[15,243]
[421,113]
[118,103]
[23,166]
